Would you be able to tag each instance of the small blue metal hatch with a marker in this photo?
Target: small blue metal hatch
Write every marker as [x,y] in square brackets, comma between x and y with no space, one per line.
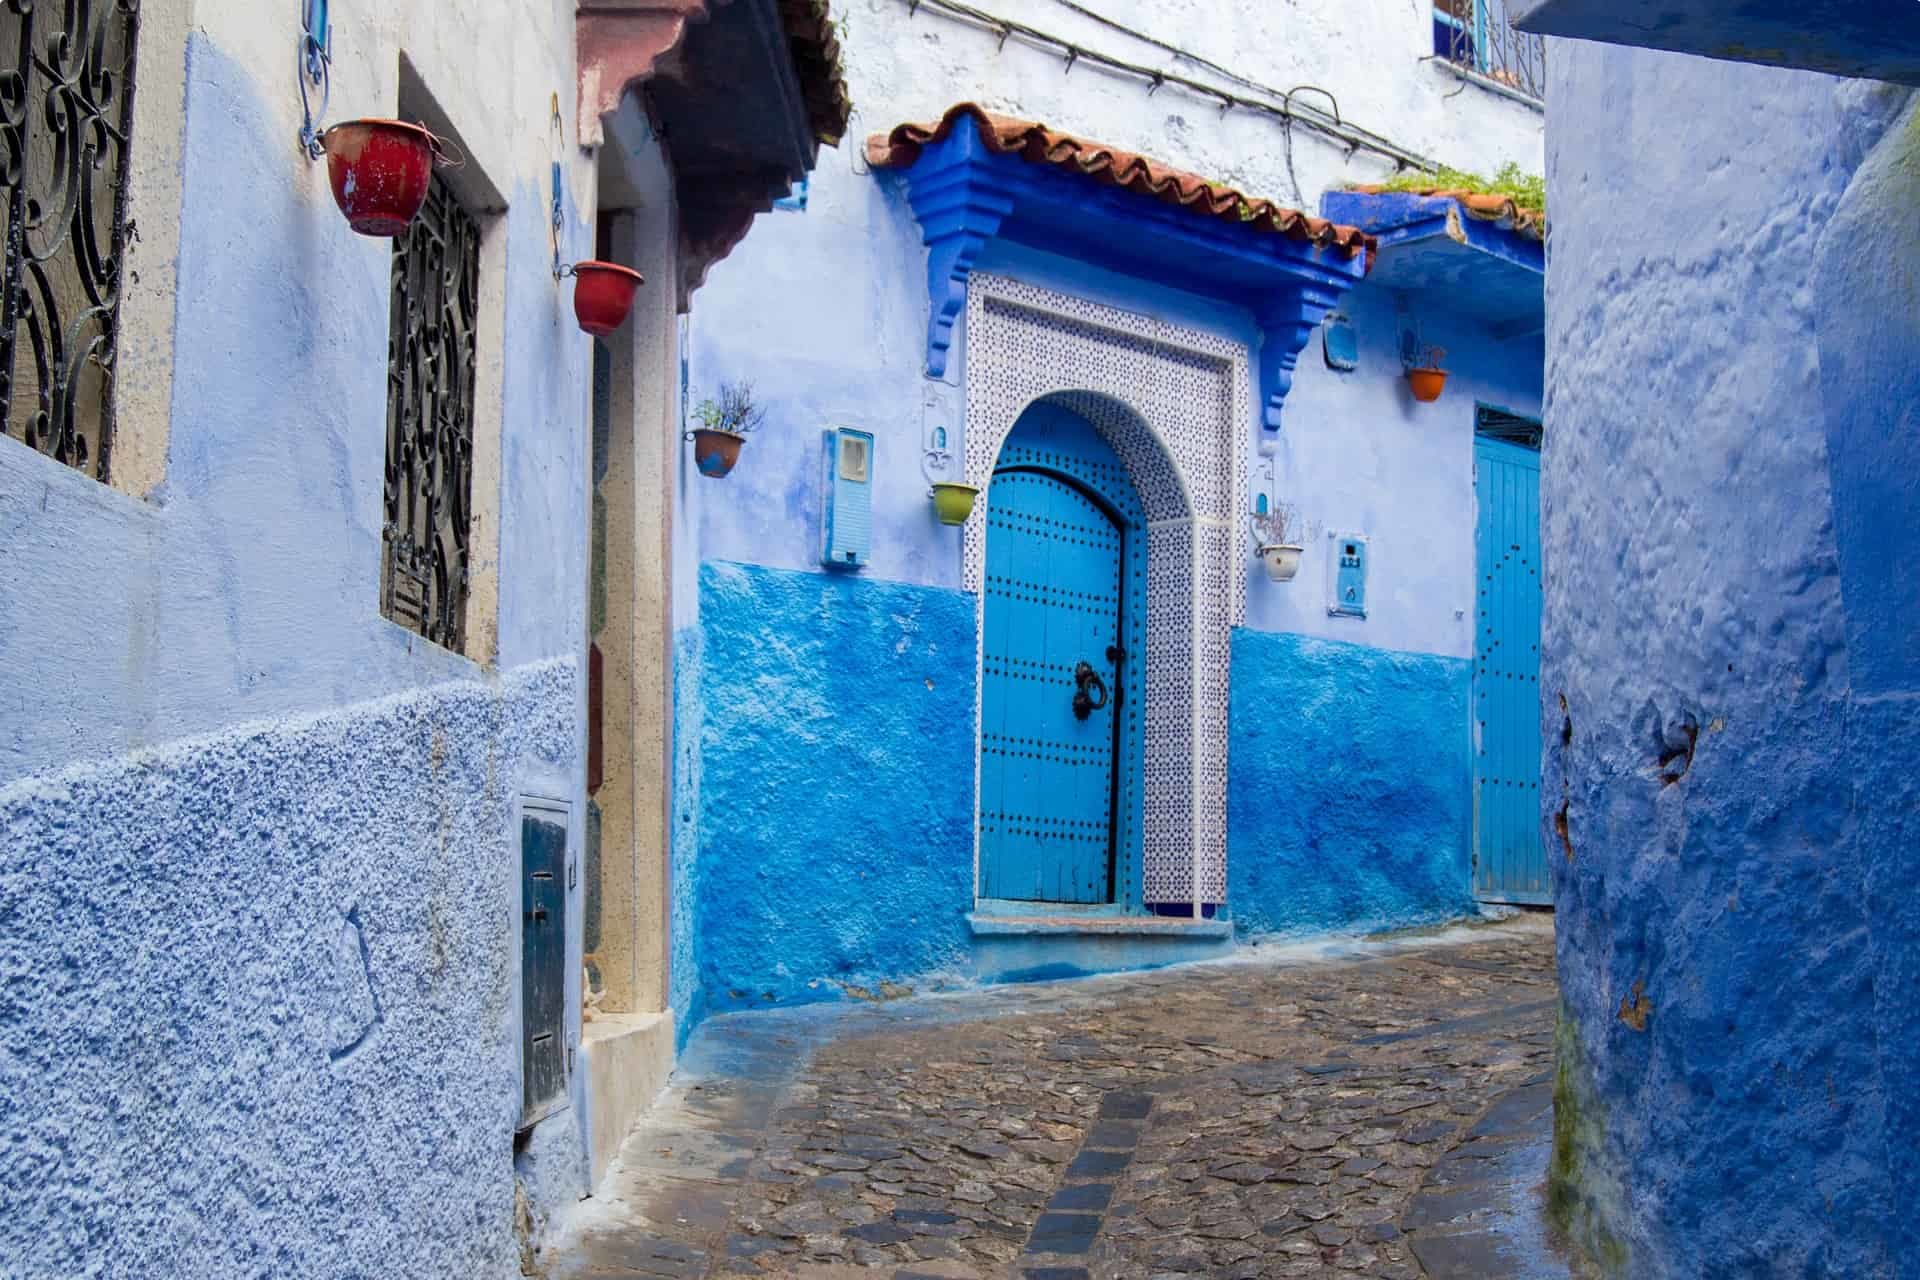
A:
[1349,576]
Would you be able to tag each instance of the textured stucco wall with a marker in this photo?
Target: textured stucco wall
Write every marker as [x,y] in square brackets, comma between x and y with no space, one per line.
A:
[259,993]
[835,797]
[1348,797]
[215,749]
[1728,476]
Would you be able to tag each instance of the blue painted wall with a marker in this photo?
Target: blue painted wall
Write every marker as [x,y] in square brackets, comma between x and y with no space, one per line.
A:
[262,881]
[835,792]
[1738,931]
[685,996]
[1348,797]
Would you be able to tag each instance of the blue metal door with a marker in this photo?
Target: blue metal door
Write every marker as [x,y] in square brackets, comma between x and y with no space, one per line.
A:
[1049,690]
[1510,861]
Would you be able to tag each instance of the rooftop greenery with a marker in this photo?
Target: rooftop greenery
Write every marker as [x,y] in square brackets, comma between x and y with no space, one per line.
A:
[1526,190]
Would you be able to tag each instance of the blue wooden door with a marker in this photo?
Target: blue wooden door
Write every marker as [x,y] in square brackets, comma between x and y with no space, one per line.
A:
[1510,861]
[1050,637]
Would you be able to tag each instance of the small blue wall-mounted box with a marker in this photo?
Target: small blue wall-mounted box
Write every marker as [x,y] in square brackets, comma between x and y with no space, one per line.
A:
[1339,343]
[1348,575]
[847,524]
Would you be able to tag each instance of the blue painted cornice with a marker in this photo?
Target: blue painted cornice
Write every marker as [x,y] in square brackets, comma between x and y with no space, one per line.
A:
[966,196]
[1484,268]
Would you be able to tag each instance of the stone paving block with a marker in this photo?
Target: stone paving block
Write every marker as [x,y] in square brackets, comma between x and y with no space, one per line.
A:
[1098,1164]
[1114,1135]
[1474,1255]
[1083,1196]
[1126,1106]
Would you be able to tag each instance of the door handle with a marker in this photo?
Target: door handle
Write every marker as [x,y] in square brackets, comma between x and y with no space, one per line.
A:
[1083,703]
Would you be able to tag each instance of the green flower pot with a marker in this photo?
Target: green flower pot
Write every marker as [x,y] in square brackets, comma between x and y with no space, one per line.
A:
[953,501]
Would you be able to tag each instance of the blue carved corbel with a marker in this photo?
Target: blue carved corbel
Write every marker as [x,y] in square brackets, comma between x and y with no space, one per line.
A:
[1287,316]
[960,203]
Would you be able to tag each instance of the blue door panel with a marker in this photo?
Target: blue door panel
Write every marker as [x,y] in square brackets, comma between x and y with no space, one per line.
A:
[1052,601]
[1509,854]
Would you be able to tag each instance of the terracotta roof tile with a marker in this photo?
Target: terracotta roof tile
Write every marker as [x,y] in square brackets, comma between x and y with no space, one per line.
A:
[1038,144]
[1487,208]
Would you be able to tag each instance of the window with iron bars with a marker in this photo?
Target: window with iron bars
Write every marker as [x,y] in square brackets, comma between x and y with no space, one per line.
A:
[1476,36]
[430,393]
[66,115]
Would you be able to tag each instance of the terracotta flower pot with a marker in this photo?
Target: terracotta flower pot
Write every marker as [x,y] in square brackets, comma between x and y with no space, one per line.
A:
[1281,560]
[715,452]
[1427,384]
[953,501]
[603,295]
[379,170]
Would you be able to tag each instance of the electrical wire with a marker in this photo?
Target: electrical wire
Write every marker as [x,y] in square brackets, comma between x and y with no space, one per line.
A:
[1328,125]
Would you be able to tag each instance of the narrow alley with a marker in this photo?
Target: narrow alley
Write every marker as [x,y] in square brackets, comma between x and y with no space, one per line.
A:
[1379,1108]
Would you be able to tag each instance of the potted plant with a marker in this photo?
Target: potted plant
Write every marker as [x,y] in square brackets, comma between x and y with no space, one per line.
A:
[603,295]
[724,426]
[379,171]
[953,500]
[1276,529]
[1427,379]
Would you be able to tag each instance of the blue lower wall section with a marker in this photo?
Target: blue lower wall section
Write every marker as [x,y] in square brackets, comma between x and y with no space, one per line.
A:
[683,881]
[1349,801]
[834,802]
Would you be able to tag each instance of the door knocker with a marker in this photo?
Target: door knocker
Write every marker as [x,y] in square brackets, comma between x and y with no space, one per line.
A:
[1083,703]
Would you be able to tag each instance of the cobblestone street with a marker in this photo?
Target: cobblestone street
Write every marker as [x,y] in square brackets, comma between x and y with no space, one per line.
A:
[1375,1109]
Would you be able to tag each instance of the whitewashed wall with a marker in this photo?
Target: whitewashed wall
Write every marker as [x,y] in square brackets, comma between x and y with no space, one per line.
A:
[1374,56]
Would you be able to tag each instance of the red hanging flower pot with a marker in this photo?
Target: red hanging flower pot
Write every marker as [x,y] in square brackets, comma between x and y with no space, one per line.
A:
[379,170]
[603,295]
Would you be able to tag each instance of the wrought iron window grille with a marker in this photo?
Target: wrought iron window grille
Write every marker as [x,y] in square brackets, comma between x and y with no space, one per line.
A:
[1476,36]
[66,116]
[430,414]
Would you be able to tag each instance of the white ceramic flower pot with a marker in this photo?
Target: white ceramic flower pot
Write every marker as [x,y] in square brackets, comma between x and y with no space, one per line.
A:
[1282,560]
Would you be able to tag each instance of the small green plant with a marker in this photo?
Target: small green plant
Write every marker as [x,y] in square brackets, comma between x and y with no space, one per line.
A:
[736,410]
[1430,357]
[1526,190]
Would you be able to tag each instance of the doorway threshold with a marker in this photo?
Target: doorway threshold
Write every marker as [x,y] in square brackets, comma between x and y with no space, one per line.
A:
[999,918]
[1037,941]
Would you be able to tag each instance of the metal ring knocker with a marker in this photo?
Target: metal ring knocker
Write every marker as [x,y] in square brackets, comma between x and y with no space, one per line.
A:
[1083,703]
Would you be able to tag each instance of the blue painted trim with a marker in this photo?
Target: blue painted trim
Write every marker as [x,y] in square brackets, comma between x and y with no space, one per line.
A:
[1398,217]
[1429,245]
[966,197]
[1876,39]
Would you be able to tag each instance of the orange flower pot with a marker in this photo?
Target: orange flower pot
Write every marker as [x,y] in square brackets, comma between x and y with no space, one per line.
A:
[1427,384]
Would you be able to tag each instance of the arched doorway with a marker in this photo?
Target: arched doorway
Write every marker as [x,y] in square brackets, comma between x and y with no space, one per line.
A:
[1063,624]
[1176,406]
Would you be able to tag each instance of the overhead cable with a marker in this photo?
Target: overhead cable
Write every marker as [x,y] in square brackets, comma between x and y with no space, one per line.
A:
[1327,124]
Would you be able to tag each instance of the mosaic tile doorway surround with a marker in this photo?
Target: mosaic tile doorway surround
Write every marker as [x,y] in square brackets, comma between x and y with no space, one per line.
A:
[1175,403]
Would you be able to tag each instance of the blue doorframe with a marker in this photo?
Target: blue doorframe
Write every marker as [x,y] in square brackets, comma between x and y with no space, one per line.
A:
[1060,795]
[1510,860]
